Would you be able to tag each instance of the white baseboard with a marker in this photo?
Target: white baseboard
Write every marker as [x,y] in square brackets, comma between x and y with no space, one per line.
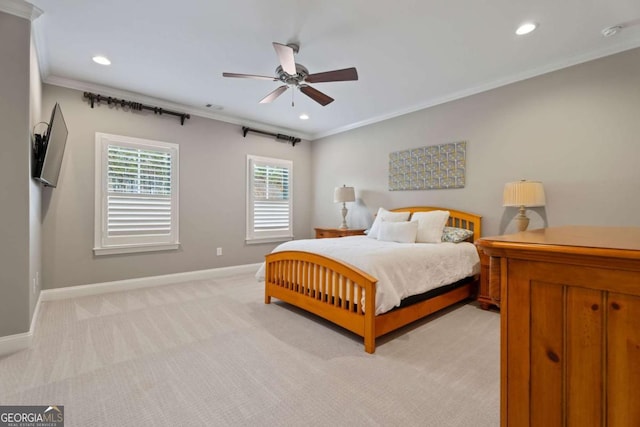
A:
[13,343]
[145,282]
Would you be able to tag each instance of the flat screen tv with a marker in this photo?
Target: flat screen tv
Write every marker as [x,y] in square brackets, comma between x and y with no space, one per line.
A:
[49,149]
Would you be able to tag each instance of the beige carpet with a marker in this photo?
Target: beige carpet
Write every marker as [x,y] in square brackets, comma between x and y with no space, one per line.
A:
[211,353]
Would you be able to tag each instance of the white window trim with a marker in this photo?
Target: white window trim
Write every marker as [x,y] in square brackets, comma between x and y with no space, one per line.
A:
[253,238]
[101,245]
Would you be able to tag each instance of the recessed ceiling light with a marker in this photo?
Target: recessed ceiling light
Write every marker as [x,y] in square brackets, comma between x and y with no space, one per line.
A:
[304,117]
[526,28]
[102,60]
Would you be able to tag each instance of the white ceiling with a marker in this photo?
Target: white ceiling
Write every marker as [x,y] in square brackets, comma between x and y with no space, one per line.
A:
[410,54]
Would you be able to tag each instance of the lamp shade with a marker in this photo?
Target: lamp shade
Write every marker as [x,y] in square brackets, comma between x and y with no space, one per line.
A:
[523,193]
[344,194]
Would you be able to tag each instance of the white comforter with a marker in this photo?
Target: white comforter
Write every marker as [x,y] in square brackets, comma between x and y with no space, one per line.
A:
[402,269]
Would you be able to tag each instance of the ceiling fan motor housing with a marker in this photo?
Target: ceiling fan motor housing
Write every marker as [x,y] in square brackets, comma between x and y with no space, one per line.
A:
[295,80]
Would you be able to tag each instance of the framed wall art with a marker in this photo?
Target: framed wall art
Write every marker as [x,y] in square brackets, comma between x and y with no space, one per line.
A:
[428,168]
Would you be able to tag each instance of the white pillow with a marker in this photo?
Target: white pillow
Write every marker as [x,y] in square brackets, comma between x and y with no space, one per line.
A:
[430,225]
[385,215]
[401,232]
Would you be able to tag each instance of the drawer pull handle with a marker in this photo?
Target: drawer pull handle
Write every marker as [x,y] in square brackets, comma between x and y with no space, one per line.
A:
[615,306]
[552,356]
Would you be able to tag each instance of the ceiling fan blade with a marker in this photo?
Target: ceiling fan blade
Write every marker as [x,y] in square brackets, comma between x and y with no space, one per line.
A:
[273,95]
[333,76]
[249,76]
[285,55]
[316,95]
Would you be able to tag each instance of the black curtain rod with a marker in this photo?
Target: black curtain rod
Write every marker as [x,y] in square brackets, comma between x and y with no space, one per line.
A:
[292,139]
[94,97]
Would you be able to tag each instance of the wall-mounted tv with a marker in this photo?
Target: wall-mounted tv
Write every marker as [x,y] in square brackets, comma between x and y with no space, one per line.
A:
[49,149]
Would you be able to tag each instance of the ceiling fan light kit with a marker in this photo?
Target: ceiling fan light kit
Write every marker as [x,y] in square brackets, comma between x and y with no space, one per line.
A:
[295,75]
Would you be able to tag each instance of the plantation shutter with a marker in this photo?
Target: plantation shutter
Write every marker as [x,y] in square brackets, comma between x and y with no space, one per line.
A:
[136,195]
[270,204]
[139,192]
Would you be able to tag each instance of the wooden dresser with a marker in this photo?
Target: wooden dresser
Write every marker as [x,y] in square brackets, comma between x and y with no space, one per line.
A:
[322,233]
[570,325]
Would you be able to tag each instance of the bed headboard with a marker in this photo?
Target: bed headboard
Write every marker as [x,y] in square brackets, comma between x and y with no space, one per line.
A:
[466,220]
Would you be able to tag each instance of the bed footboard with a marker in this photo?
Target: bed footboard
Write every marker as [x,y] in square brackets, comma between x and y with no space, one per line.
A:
[326,287]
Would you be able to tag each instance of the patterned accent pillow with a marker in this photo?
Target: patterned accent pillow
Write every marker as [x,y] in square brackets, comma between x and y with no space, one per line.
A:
[455,235]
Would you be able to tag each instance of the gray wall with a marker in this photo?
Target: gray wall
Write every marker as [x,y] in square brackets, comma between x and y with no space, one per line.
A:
[35,190]
[577,130]
[212,194]
[14,174]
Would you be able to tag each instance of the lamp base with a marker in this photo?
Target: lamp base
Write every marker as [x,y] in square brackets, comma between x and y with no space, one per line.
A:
[344,226]
[521,220]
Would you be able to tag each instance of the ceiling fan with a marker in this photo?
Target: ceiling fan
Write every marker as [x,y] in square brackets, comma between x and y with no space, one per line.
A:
[297,76]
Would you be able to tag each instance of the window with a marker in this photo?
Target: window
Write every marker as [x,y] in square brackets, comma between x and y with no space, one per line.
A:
[269,200]
[136,198]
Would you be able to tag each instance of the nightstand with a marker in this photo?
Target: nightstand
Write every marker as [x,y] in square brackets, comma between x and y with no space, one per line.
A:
[322,233]
[487,295]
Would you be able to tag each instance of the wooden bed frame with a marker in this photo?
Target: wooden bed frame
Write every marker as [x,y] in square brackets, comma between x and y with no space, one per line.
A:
[319,284]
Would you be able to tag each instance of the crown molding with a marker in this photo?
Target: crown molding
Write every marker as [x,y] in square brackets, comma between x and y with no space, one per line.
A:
[20,8]
[39,40]
[138,97]
[555,66]
[30,12]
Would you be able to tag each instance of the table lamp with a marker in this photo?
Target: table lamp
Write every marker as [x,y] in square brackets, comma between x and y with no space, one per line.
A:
[342,195]
[523,194]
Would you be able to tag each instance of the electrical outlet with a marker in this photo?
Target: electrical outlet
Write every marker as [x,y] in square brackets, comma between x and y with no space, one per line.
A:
[219,251]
